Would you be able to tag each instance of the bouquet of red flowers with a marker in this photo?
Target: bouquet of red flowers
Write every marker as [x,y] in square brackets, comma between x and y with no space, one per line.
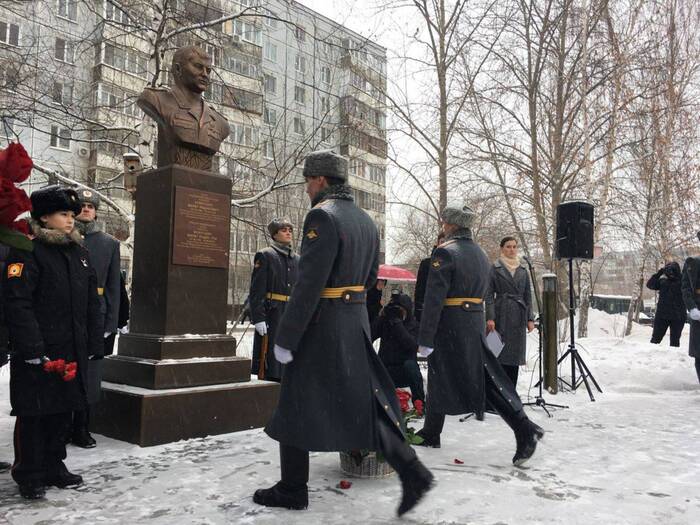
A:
[15,167]
[67,371]
[410,414]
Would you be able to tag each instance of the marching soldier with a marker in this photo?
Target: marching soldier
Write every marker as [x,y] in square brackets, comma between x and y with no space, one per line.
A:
[335,394]
[690,285]
[274,275]
[462,372]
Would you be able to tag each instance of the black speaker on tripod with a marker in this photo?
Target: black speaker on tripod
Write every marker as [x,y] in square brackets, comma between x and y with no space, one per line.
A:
[575,230]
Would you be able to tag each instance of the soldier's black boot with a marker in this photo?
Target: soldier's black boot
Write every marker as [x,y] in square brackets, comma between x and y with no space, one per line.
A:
[416,480]
[81,435]
[432,428]
[292,491]
[32,491]
[526,436]
[428,441]
[60,477]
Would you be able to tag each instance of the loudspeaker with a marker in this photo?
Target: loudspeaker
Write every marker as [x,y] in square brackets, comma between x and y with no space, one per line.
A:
[574,230]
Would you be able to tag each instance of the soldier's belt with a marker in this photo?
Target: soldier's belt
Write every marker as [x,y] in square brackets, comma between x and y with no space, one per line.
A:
[100,291]
[277,297]
[348,294]
[470,304]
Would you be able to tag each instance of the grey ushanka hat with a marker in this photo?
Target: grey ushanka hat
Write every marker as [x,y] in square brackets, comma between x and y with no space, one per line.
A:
[326,163]
[459,215]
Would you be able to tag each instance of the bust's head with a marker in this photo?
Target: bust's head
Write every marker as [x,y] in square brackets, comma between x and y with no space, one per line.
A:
[191,69]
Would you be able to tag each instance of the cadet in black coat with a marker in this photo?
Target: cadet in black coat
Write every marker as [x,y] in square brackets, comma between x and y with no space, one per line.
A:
[50,297]
[690,285]
[274,275]
[336,395]
[462,372]
[670,310]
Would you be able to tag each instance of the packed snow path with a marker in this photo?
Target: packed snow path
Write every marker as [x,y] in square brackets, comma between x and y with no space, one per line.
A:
[632,457]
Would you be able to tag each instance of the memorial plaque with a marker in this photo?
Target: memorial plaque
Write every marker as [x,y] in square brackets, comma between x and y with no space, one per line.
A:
[201,228]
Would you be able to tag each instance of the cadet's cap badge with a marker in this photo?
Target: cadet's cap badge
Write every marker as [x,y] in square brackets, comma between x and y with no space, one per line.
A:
[311,234]
[257,264]
[14,270]
[436,264]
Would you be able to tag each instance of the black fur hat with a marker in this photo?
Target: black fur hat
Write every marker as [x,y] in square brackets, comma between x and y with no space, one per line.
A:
[326,163]
[51,199]
[276,224]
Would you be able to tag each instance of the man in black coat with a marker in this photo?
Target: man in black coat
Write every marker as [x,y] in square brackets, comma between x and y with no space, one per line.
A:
[398,349]
[690,285]
[105,259]
[52,312]
[336,395]
[422,280]
[374,299]
[670,310]
[462,372]
[272,281]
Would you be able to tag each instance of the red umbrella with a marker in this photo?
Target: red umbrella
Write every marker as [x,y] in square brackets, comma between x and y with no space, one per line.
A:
[394,273]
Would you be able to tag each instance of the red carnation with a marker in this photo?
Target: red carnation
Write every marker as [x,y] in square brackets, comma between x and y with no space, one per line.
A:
[15,163]
[344,484]
[459,462]
[21,226]
[13,202]
[418,405]
[69,376]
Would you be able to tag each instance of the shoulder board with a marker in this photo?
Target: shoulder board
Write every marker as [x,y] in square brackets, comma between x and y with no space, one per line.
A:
[322,204]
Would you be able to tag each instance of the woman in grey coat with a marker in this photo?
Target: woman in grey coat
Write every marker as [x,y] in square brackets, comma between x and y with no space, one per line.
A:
[509,307]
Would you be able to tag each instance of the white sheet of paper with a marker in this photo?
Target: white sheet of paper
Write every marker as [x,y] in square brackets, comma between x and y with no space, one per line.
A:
[494,342]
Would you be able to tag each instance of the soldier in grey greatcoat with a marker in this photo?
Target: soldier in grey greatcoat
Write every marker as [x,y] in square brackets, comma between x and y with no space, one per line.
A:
[690,285]
[105,258]
[336,395]
[509,307]
[271,283]
[462,372]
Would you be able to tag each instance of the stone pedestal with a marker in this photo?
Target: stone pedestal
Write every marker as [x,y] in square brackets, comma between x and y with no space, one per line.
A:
[176,375]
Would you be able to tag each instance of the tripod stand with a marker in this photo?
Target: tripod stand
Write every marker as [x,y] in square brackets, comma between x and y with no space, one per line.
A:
[540,400]
[576,359]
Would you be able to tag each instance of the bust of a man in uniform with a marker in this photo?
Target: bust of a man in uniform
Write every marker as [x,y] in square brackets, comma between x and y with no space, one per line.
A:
[190,131]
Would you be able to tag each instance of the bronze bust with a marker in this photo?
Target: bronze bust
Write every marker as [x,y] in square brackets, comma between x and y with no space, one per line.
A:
[190,131]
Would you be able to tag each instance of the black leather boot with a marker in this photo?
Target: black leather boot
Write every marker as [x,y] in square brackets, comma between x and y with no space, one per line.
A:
[60,477]
[416,480]
[526,437]
[428,441]
[278,496]
[81,436]
[32,491]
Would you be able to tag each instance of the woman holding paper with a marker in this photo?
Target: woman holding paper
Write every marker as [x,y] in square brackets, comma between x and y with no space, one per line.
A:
[509,307]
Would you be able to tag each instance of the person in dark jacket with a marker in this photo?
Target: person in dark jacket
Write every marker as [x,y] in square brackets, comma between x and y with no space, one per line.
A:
[422,280]
[105,259]
[509,307]
[336,395]
[462,372]
[4,342]
[670,310]
[398,349]
[690,286]
[273,278]
[374,299]
[53,316]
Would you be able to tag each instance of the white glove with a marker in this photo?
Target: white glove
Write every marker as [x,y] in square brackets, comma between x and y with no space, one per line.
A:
[36,361]
[283,355]
[424,351]
[107,334]
[124,330]
[695,314]
[261,328]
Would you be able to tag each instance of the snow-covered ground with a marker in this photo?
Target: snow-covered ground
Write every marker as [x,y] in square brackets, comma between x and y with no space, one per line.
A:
[630,457]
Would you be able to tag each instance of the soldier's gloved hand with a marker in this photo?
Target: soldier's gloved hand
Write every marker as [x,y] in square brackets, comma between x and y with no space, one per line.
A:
[261,328]
[36,361]
[424,351]
[283,355]
[695,314]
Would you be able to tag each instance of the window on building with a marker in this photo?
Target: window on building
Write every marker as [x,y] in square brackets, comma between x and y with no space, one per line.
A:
[327,47]
[113,13]
[377,173]
[68,9]
[244,135]
[62,93]
[268,149]
[270,84]
[300,63]
[9,76]
[299,126]
[272,23]
[270,51]
[9,33]
[299,95]
[357,168]
[326,74]
[300,33]
[325,105]
[326,134]
[357,80]
[60,137]
[270,116]
[242,64]
[63,51]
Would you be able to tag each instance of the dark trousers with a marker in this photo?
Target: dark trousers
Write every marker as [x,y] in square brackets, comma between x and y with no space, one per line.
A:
[660,327]
[39,447]
[512,372]
[294,461]
[408,375]
[697,367]
[495,397]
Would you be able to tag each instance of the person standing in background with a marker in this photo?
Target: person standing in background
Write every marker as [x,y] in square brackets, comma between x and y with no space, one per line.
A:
[670,310]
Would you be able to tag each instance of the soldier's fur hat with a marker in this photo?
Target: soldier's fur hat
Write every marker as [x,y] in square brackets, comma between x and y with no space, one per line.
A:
[326,163]
[51,199]
[458,214]
[276,224]
[89,196]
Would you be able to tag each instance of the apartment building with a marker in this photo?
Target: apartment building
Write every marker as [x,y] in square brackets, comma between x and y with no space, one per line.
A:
[288,79]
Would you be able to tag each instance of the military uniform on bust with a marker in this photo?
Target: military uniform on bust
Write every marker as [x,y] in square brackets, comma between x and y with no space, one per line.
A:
[336,395]
[272,281]
[462,372]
